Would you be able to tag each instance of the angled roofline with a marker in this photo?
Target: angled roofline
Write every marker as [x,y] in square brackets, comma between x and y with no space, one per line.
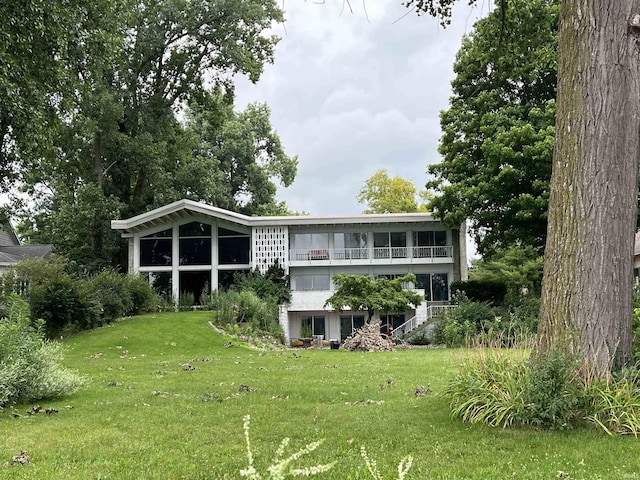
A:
[184,208]
[8,228]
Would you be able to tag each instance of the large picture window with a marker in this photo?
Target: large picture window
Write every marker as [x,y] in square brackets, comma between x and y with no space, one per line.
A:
[233,247]
[195,244]
[350,246]
[155,249]
[161,283]
[349,324]
[311,241]
[390,244]
[437,238]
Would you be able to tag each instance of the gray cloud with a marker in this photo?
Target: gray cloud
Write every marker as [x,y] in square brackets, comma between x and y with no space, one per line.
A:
[351,95]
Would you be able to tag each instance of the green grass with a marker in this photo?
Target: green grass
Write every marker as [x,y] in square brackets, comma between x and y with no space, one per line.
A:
[118,428]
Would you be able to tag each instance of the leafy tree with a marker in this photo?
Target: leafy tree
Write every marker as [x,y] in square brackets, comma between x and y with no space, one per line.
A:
[518,268]
[123,149]
[247,153]
[383,194]
[43,45]
[273,284]
[586,289]
[362,293]
[498,132]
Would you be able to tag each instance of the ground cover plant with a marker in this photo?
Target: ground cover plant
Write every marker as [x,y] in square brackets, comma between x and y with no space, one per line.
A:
[166,396]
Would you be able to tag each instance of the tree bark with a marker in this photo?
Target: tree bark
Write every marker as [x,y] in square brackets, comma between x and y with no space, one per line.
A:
[587,284]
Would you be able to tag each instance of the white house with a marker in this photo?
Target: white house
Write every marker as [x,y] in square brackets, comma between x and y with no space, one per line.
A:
[192,247]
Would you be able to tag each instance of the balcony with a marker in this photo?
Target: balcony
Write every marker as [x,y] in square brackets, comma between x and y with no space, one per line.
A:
[366,256]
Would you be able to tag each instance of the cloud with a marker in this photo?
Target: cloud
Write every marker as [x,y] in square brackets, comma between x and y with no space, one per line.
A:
[352,93]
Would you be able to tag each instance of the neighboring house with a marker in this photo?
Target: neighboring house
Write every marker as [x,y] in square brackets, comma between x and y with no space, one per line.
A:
[192,247]
[11,251]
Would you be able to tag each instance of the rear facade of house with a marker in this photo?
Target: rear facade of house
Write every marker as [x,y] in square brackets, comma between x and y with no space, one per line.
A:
[190,247]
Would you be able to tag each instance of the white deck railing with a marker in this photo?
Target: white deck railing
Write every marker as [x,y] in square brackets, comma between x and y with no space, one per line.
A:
[326,254]
[414,322]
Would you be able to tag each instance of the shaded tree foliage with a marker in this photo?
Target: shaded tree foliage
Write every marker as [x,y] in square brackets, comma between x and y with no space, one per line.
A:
[125,148]
[362,293]
[498,132]
[586,289]
[44,46]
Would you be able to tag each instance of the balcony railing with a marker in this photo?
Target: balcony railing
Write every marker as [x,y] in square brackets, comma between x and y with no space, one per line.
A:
[377,253]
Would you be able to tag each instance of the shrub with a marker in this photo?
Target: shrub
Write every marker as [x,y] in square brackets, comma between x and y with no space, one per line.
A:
[480,323]
[492,291]
[246,307]
[143,297]
[457,326]
[489,390]
[29,366]
[112,293]
[63,305]
[555,393]
[500,391]
[273,285]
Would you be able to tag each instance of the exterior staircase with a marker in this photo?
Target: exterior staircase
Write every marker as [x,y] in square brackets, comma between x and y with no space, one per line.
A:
[425,314]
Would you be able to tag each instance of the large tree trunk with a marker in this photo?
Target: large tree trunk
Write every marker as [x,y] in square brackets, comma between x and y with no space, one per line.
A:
[586,291]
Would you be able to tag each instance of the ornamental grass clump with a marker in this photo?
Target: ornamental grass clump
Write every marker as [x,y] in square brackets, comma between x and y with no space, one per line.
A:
[500,390]
[615,403]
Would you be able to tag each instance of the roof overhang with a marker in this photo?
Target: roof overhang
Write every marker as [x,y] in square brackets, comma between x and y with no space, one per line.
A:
[185,209]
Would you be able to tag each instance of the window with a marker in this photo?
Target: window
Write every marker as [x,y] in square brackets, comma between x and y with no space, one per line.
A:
[390,322]
[430,238]
[349,324]
[196,284]
[350,245]
[234,248]
[311,241]
[428,244]
[161,283]
[390,276]
[195,244]
[312,282]
[349,240]
[440,287]
[195,229]
[228,278]
[390,244]
[233,251]
[155,249]
[314,325]
[436,286]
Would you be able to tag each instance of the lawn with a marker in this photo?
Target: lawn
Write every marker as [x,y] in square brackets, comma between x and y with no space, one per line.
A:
[142,415]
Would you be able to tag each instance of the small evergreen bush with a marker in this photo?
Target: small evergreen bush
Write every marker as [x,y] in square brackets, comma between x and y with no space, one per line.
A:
[29,366]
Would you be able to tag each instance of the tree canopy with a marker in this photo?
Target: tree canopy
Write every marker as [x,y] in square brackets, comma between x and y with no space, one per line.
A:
[363,293]
[153,122]
[586,287]
[383,194]
[498,133]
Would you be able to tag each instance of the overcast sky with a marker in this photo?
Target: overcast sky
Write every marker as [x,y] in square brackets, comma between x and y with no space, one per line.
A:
[352,93]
